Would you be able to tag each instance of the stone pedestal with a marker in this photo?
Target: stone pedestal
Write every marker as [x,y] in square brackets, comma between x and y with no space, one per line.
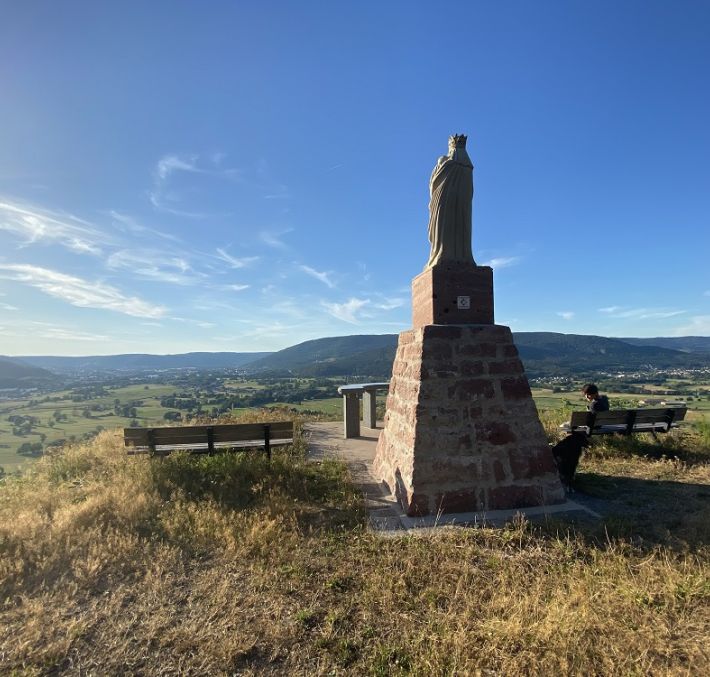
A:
[461,430]
[453,293]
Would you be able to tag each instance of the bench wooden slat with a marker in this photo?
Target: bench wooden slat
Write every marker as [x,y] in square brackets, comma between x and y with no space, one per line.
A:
[141,435]
[203,448]
[277,430]
[652,416]
[165,436]
[222,433]
[679,413]
[626,421]
[207,438]
[250,431]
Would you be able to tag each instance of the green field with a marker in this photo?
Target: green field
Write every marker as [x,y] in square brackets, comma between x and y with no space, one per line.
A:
[76,424]
[329,406]
[60,418]
[546,400]
[57,417]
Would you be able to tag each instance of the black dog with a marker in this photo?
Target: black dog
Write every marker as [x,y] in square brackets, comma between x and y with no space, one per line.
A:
[566,454]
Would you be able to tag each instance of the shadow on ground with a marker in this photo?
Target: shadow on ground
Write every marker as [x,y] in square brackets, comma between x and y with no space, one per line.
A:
[645,446]
[646,512]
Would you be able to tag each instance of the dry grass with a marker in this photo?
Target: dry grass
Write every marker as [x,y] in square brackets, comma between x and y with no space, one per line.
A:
[232,565]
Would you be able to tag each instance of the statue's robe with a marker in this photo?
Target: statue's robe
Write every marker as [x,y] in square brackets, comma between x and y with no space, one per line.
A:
[451,188]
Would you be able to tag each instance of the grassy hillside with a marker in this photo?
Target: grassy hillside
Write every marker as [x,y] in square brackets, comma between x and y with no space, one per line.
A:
[374,363]
[232,565]
[322,353]
[17,374]
[543,354]
[689,344]
[58,417]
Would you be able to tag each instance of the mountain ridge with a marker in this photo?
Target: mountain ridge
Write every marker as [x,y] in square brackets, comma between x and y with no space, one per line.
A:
[141,361]
[543,353]
[686,344]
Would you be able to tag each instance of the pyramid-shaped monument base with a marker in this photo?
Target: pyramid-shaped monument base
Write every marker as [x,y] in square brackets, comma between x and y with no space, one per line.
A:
[461,432]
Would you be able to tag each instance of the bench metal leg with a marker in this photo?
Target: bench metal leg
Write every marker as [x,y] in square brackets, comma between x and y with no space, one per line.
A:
[351,415]
[369,409]
[267,441]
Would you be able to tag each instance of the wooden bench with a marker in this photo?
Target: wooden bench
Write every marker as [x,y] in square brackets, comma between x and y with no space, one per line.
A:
[206,439]
[625,421]
[351,406]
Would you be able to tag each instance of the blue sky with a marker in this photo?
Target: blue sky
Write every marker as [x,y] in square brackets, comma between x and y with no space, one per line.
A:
[244,176]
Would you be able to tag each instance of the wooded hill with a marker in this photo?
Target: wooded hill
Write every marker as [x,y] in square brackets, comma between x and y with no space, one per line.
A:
[141,362]
[543,353]
[16,374]
[687,344]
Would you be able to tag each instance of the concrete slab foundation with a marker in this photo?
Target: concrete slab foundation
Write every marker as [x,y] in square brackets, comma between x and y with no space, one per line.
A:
[385,514]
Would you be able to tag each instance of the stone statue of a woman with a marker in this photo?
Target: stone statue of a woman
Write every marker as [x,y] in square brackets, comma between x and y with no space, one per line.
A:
[451,190]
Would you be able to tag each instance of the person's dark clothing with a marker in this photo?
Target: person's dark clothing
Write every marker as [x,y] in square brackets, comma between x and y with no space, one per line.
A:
[600,404]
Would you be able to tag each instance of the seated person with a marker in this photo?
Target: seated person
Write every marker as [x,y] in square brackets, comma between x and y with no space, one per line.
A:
[596,401]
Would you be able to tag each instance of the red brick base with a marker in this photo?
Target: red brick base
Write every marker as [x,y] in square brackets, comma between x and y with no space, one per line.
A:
[440,294]
[461,429]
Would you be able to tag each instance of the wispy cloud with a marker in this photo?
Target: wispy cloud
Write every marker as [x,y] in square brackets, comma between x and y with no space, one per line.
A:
[197,323]
[503,262]
[509,322]
[620,312]
[35,225]
[261,332]
[79,292]
[346,311]
[364,272]
[233,261]
[236,287]
[163,194]
[128,223]
[7,306]
[274,239]
[390,304]
[46,330]
[169,164]
[293,309]
[699,325]
[324,277]
[155,265]
[565,314]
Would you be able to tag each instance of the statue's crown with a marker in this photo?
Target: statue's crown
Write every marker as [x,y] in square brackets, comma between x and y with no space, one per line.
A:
[458,140]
